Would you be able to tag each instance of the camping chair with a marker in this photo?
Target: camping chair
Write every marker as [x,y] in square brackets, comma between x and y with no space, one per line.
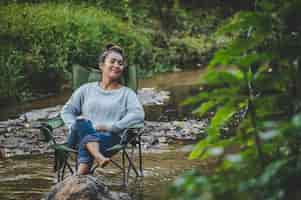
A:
[129,137]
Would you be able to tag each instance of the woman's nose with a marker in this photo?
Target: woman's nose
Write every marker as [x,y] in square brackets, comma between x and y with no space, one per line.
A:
[117,64]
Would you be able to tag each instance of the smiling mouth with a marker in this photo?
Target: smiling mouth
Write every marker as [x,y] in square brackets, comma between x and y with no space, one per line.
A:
[116,71]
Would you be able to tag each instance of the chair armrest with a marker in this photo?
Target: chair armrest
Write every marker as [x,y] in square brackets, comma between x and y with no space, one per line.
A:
[62,148]
[137,126]
[55,122]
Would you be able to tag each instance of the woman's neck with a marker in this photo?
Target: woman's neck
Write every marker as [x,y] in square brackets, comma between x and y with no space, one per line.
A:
[107,84]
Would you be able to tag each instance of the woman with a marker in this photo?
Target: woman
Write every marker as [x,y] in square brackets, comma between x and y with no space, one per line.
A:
[97,112]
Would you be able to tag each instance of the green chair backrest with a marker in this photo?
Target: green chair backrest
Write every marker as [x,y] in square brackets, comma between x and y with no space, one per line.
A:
[81,75]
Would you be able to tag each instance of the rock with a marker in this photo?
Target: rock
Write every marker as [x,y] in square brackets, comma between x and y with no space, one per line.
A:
[2,152]
[2,130]
[83,188]
[150,96]
[35,115]
[150,139]
[24,133]
[162,140]
[53,115]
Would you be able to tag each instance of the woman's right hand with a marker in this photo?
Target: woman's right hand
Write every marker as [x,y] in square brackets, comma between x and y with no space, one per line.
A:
[101,128]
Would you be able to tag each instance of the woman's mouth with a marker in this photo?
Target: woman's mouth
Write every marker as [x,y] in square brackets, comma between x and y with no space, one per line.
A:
[115,70]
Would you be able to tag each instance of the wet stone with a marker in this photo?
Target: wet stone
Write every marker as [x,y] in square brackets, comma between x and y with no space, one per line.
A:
[162,140]
[151,96]
[2,130]
[35,152]
[83,188]
[53,115]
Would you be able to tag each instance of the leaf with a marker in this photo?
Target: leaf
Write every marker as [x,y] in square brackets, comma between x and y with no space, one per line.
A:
[205,107]
[199,149]
[268,135]
[221,117]
[271,171]
[231,77]
[196,99]
[234,158]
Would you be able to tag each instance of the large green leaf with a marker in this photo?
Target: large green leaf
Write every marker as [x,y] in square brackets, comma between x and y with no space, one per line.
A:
[221,117]
[205,107]
[231,77]
[199,149]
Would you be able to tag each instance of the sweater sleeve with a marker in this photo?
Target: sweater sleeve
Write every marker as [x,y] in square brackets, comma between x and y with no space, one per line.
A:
[134,114]
[72,108]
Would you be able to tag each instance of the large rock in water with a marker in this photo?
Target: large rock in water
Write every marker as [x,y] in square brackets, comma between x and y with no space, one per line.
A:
[83,188]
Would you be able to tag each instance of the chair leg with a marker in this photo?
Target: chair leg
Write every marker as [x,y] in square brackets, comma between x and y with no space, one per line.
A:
[123,169]
[70,168]
[140,157]
[63,170]
[131,164]
[116,164]
[58,177]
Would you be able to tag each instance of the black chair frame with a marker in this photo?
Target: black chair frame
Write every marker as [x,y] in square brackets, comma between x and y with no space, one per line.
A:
[130,138]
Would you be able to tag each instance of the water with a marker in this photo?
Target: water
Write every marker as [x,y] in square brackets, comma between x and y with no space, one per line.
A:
[180,84]
[29,177]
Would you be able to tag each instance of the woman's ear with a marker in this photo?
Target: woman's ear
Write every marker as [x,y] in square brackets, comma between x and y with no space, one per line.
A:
[100,66]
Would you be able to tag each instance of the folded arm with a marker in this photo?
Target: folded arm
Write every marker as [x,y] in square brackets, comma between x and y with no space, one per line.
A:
[134,114]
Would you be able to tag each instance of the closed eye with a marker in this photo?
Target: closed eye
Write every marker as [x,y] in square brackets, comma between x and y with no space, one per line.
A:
[119,62]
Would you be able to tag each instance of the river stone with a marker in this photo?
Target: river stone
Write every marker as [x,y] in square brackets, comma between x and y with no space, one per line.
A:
[151,96]
[83,188]
[35,115]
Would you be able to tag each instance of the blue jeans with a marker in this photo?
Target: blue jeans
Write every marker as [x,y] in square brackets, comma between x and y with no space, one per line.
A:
[82,132]
[80,129]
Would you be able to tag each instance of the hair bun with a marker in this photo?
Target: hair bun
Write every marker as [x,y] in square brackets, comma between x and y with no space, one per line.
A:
[109,46]
[114,47]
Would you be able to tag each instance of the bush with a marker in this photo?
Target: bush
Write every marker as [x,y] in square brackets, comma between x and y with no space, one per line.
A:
[11,79]
[56,36]
[191,50]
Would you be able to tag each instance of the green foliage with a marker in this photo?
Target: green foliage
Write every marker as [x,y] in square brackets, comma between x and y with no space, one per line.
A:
[12,78]
[257,72]
[189,50]
[52,35]
[56,36]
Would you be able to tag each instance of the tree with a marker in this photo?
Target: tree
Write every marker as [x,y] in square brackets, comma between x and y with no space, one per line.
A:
[258,73]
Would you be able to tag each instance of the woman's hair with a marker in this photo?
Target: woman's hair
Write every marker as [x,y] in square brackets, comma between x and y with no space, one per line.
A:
[108,49]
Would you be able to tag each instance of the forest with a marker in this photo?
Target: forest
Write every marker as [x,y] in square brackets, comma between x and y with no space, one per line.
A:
[250,91]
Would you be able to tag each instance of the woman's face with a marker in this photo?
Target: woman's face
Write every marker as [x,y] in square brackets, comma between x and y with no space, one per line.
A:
[113,66]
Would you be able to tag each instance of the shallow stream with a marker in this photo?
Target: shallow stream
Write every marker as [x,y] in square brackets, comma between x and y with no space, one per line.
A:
[29,177]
